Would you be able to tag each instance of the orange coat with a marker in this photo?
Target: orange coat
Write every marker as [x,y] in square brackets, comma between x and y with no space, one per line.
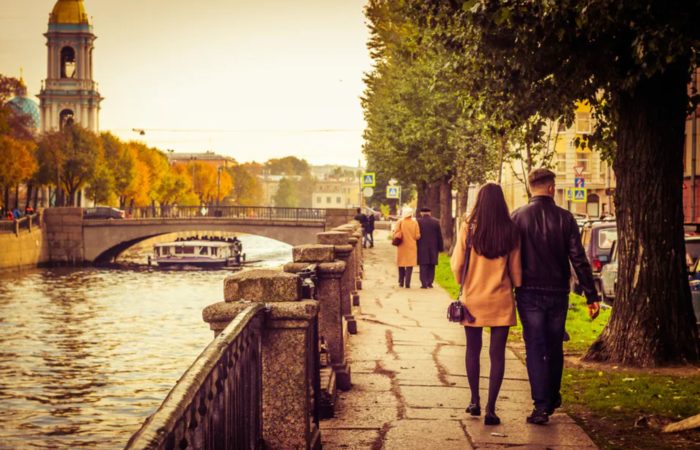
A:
[407,252]
[488,291]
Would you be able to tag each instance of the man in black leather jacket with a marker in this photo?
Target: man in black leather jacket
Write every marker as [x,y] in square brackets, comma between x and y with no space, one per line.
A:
[550,239]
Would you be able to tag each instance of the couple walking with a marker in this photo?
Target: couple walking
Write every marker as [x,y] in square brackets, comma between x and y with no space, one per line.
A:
[528,252]
[421,243]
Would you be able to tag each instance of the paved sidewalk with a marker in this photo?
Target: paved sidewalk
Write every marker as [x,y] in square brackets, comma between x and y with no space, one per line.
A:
[409,383]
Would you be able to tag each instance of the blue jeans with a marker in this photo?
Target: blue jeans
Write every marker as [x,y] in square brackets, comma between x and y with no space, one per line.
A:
[543,317]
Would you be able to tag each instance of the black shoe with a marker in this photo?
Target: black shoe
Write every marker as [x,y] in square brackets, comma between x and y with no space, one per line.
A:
[554,406]
[538,417]
[430,286]
[474,410]
[491,419]
[424,287]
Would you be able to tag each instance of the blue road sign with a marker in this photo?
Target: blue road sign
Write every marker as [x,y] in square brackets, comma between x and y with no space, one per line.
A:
[580,195]
[393,192]
[579,182]
[368,179]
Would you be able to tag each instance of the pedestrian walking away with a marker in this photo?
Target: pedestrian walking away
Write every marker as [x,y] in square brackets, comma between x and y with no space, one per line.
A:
[492,273]
[368,231]
[430,245]
[362,219]
[408,231]
[551,244]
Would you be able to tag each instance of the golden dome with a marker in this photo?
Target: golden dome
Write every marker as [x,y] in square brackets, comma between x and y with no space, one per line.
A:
[70,12]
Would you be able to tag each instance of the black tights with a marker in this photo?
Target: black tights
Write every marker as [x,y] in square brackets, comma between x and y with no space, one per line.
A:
[497,354]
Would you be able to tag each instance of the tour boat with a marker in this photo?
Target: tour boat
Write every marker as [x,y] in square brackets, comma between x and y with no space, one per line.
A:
[199,253]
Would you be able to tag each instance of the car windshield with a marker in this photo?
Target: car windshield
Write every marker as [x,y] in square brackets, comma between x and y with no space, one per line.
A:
[606,237]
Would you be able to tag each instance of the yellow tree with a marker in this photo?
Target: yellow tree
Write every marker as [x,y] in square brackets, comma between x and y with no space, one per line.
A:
[18,164]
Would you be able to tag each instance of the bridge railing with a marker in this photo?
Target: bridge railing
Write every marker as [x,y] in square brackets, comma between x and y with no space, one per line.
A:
[217,403]
[231,212]
[23,223]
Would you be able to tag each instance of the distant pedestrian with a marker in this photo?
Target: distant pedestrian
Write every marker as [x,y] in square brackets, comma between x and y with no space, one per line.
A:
[550,240]
[16,213]
[493,272]
[408,231]
[368,231]
[430,245]
[361,218]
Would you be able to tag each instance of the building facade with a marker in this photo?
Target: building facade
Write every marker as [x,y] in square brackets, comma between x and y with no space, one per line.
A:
[691,165]
[69,93]
[570,162]
[336,193]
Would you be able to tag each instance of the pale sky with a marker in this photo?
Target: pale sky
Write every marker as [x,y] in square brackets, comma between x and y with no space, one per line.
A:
[252,79]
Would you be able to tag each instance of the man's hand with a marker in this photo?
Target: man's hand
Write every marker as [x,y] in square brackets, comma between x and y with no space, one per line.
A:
[593,310]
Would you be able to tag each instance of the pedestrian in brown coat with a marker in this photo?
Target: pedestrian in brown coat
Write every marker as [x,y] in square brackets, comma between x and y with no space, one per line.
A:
[407,252]
[493,272]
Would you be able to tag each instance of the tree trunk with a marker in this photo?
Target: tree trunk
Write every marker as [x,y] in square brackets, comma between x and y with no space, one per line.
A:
[30,189]
[6,197]
[446,220]
[17,196]
[652,322]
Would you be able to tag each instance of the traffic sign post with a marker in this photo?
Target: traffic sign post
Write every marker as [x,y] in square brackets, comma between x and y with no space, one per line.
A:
[369,179]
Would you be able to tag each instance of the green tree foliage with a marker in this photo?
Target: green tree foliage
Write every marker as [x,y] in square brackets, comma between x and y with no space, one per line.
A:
[247,190]
[287,194]
[289,165]
[631,60]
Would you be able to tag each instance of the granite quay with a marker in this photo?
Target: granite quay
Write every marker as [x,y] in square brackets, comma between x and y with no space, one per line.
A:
[269,333]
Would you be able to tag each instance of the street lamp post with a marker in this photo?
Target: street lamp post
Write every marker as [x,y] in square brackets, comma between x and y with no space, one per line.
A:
[218,186]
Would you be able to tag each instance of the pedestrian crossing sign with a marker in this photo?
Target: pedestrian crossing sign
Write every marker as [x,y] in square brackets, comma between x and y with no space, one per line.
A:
[369,179]
[393,192]
[579,195]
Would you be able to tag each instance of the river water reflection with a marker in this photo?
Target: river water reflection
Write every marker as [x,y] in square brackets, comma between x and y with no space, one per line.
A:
[87,354]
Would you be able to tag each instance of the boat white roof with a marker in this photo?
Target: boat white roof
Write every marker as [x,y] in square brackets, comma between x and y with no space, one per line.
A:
[195,243]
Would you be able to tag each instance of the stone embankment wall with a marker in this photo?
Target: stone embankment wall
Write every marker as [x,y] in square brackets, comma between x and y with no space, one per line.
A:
[24,250]
[64,235]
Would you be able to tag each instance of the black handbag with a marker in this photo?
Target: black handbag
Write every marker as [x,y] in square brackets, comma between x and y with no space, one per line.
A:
[457,312]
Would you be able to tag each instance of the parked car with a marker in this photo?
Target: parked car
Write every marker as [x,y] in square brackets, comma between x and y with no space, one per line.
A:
[103,212]
[608,275]
[597,237]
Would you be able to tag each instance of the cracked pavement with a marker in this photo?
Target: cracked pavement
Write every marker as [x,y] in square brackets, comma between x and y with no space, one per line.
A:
[409,382]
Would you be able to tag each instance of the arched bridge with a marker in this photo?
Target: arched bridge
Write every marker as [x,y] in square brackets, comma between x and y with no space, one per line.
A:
[74,235]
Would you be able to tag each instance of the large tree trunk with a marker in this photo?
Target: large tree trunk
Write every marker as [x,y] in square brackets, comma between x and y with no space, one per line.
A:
[652,319]
[446,220]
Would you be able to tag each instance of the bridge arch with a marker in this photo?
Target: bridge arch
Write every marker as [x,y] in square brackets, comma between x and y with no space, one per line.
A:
[105,239]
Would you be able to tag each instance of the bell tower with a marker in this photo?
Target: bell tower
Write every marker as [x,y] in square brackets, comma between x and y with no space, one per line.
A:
[69,93]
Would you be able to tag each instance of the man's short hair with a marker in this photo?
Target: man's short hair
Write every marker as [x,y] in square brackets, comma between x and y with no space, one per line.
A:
[359,210]
[541,176]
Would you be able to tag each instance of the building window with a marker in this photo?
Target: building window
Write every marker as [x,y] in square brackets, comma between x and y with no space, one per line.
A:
[66,118]
[583,123]
[338,200]
[68,62]
[561,163]
[319,199]
[583,160]
[328,200]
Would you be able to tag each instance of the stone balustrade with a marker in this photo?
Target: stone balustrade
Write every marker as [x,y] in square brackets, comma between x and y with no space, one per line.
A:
[291,386]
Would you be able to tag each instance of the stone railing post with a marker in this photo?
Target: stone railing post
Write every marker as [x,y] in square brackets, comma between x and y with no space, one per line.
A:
[343,252]
[329,294]
[288,341]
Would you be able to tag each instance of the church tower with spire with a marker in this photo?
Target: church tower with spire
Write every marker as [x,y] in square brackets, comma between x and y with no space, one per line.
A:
[69,93]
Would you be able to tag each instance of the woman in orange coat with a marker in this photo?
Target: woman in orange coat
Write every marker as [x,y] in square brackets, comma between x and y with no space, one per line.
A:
[492,273]
[407,252]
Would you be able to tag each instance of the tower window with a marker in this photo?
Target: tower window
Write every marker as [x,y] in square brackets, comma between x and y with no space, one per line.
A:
[66,118]
[68,65]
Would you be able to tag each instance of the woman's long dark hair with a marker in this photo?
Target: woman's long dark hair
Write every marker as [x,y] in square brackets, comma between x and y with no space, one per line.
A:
[495,234]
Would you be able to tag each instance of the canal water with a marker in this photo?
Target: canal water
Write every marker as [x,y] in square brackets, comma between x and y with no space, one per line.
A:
[87,354]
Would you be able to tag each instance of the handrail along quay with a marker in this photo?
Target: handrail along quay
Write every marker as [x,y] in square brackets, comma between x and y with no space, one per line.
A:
[217,403]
